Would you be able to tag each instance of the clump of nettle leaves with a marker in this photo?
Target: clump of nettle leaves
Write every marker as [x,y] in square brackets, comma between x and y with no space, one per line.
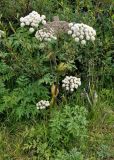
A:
[79,33]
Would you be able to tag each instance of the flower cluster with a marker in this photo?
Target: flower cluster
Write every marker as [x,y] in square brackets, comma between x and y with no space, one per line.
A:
[1,33]
[42,104]
[70,83]
[81,32]
[45,35]
[33,20]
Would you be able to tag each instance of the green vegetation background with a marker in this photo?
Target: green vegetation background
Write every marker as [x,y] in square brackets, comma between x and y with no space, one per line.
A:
[77,130]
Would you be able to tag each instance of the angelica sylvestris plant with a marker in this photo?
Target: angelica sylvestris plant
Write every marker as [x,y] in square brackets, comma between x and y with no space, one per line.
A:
[81,32]
[42,104]
[70,83]
[41,66]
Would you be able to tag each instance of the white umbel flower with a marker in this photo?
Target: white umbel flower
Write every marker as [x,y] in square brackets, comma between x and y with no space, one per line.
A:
[22,24]
[70,24]
[83,42]
[70,83]
[77,39]
[87,38]
[44,22]
[45,35]
[21,19]
[42,104]
[73,35]
[31,30]
[43,17]
[81,37]
[33,19]
[92,38]
[81,32]
[69,32]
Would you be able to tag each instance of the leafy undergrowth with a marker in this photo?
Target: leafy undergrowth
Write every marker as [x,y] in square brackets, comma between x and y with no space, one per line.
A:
[70,133]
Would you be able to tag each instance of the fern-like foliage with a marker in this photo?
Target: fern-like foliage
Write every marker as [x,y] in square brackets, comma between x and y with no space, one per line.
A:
[70,122]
